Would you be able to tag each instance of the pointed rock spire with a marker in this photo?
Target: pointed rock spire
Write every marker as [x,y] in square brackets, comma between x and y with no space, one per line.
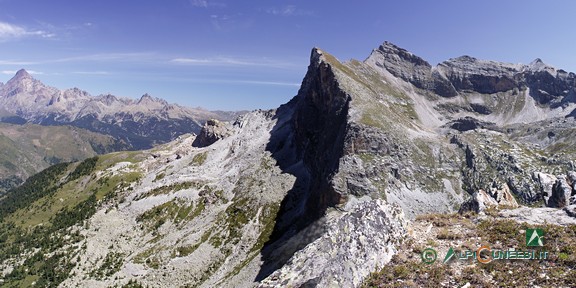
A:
[539,65]
[149,99]
[146,98]
[22,73]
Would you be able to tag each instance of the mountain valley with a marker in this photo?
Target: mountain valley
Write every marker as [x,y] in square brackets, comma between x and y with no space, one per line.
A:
[27,149]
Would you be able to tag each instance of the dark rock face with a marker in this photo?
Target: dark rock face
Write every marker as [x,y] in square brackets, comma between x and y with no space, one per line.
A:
[442,85]
[320,124]
[212,131]
[546,88]
[484,84]
[469,74]
[480,109]
[368,140]
[308,143]
[468,123]
[465,124]
[13,120]
[571,210]
[405,65]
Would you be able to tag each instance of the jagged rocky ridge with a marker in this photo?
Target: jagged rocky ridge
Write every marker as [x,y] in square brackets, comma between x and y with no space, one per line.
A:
[315,192]
[139,124]
[467,74]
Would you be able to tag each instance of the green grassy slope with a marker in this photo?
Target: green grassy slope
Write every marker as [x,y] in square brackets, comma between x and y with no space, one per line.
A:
[27,149]
[36,217]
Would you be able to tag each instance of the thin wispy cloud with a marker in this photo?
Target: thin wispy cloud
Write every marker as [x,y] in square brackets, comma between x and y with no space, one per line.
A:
[274,83]
[137,57]
[221,61]
[91,73]
[10,31]
[12,72]
[124,57]
[207,4]
[17,63]
[217,20]
[288,10]
[133,56]
[227,61]
[233,81]
[229,22]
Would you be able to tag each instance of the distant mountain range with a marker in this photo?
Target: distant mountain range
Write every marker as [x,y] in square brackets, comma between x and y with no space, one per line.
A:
[41,125]
[139,124]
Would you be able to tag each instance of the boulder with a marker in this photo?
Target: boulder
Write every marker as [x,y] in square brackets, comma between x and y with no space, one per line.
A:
[479,202]
[546,182]
[468,123]
[211,132]
[499,195]
[354,245]
[571,178]
[503,195]
[561,192]
[571,210]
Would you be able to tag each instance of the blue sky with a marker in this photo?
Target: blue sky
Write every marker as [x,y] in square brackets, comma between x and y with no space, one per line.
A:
[222,54]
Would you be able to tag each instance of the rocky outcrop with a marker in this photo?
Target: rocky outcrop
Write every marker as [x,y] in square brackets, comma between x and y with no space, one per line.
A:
[340,161]
[541,215]
[501,193]
[358,242]
[498,196]
[478,202]
[469,123]
[571,179]
[411,68]
[548,85]
[571,210]
[211,132]
[561,193]
[557,191]
[546,182]
[470,74]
